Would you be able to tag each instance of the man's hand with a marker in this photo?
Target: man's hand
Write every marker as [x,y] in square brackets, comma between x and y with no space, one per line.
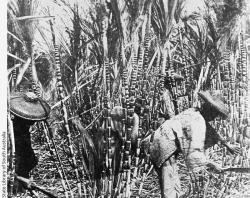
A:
[233,149]
[214,166]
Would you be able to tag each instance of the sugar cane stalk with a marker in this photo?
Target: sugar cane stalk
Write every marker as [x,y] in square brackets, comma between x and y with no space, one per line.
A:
[56,158]
[65,119]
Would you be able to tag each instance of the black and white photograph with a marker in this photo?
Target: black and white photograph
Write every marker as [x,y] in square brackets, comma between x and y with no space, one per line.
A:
[126,99]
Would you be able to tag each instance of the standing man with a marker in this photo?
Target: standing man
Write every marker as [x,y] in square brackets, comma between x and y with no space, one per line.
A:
[26,109]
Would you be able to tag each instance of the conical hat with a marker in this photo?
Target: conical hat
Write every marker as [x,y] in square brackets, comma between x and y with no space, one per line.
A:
[28,106]
[215,100]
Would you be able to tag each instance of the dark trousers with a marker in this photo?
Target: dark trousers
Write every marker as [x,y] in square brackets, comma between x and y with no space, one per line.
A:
[25,156]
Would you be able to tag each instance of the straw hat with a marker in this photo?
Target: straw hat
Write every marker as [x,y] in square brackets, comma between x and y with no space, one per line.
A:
[28,106]
[214,99]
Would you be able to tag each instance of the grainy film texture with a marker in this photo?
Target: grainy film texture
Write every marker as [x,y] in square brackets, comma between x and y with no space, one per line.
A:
[128,99]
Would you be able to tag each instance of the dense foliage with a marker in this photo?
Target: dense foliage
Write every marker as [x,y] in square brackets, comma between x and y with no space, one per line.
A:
[112,52]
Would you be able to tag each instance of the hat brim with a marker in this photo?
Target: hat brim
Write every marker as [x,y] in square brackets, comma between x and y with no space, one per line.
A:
[215,103]
[30,110]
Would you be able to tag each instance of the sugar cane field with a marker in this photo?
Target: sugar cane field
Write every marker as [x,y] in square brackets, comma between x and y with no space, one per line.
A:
[122,98]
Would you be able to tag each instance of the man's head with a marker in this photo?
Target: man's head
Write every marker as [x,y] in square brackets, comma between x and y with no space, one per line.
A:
[213,105]
[138,106]
[169,78]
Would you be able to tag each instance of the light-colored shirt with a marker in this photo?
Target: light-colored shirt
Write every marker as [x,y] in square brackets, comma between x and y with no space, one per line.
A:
[190,129]
[192,137]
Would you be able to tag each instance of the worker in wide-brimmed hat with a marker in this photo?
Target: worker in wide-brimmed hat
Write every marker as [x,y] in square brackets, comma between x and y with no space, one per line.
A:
[187,132]
[167,104]
[26,109]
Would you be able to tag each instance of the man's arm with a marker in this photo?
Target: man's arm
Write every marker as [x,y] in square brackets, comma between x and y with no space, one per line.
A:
[212,138]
